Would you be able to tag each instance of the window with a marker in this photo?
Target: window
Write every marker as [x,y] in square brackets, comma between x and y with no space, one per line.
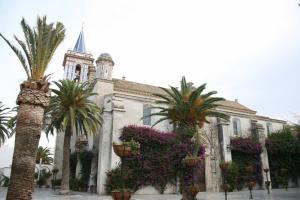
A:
[146,113]
[236,126]
[269,128]
[77,72]
[254,132]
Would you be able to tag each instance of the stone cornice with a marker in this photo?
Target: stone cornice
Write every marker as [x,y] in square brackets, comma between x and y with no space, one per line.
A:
[88,58]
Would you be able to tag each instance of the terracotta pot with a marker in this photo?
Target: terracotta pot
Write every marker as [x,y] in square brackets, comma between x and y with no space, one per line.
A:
[191,162]
[121,150]
[192,190]
[121,195]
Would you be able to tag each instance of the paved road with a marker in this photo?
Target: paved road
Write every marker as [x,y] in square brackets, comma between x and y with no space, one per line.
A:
[47,194]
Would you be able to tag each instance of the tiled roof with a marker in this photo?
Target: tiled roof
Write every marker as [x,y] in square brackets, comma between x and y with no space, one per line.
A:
[234,105]
[136,88]
[148,90]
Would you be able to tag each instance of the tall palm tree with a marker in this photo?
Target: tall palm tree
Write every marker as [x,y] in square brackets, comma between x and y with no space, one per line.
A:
[72,112]
[5,130]
[44,156]
[35,54]
[189,107]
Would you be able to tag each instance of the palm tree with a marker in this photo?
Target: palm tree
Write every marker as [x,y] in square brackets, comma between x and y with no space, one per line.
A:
[189,107]
[5,130]
[72,111]
[36,52]
[44,156]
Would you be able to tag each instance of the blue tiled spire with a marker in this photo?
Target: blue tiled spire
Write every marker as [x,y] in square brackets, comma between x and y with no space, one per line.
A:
[80,45]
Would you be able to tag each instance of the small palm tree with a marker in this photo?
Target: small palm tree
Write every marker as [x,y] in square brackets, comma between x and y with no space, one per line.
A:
[44,156]
[36,52]
[188,108]
[72,112]
[5,131]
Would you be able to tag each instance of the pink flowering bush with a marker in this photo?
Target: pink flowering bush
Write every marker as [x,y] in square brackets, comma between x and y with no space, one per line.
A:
[158,162]
[245,145]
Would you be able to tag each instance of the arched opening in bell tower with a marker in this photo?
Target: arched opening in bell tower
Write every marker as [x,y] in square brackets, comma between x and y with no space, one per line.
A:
[77,72]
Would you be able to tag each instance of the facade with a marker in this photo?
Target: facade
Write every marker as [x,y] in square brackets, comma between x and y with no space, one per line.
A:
[125,103]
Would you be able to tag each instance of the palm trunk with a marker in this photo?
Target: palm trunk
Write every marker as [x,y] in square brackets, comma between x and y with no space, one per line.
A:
[65,188]
[28,131]
[32,100]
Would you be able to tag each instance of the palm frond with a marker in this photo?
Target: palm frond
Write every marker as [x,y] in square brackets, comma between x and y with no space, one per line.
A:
[19,55]
[39,46]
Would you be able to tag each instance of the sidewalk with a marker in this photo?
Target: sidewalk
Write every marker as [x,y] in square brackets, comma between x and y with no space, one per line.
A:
[277,194]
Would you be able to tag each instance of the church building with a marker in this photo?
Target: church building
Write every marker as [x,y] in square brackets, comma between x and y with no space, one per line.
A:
[126,102]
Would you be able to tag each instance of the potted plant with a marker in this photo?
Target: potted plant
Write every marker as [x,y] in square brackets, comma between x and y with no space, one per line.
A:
[268,183]
[251,180]
[192,190]
[191,160]
[224,166]
[250,185]
[121,194]
[135,146]
[126,149]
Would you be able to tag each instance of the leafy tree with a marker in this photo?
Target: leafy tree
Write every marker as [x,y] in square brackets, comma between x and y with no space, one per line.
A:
[44,154]
[35,54]
[72,112]
[5,131]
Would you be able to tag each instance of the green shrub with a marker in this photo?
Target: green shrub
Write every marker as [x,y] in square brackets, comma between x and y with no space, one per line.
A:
[232,176]
[42,181]
[74,184]
[283,152]
[57,182]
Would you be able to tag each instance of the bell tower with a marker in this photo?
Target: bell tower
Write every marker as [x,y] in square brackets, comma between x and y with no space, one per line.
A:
[77,61]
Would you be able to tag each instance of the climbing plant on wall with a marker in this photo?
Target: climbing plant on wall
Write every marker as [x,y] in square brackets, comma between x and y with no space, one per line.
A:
[245,152]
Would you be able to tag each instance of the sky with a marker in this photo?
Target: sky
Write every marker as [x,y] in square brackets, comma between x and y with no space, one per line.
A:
[244,49]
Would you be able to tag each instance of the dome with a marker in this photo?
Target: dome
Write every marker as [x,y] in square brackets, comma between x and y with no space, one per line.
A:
[105,56]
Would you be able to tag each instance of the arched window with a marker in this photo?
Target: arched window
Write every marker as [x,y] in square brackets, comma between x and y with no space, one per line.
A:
[236,126]
[77,72]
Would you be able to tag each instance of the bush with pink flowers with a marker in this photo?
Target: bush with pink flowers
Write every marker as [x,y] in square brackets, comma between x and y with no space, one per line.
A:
[157,164]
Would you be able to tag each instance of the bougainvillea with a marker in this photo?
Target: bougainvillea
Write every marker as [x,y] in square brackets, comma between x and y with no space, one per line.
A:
[245,145]
[245,152]
[159,160]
